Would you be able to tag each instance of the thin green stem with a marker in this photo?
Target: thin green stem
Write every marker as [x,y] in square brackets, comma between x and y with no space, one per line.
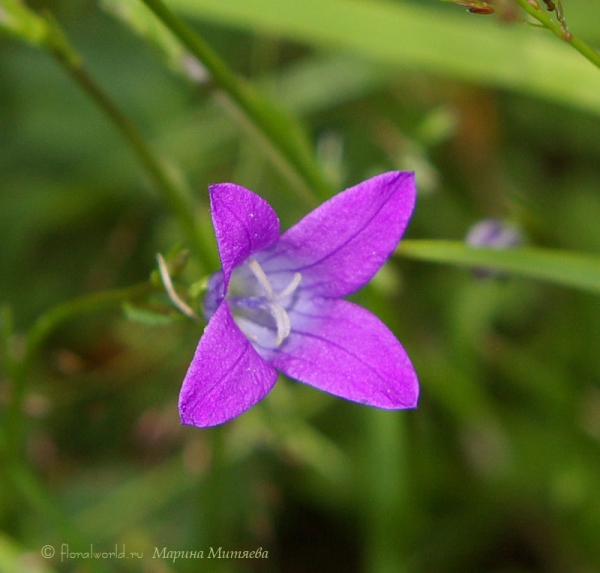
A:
[544,18]
[213,490]
[12,439]
[8,364]
[33,492]
[37,335]
[6,330]
[173,192]
[48,322]
[280,129]
[386,492]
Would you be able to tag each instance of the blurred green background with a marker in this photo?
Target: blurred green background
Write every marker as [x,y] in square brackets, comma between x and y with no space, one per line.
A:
[497,470]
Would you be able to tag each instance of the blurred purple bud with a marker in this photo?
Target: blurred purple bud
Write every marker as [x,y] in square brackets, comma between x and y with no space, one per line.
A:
[493,234]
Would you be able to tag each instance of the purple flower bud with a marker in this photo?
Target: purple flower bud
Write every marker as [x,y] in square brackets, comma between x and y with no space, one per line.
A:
[492,234]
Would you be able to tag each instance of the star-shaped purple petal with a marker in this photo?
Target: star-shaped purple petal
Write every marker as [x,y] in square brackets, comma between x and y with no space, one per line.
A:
[276,304]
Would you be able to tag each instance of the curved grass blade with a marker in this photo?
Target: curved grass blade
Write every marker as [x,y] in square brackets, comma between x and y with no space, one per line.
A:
[474,49]
[565,268]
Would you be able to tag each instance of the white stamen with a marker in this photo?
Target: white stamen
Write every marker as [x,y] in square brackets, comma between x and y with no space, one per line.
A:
[277,311]
[282,320]
[261,277]
[291,288]
[168,284]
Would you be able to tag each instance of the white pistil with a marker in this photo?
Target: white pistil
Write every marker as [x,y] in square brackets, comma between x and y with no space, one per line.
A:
[277,311]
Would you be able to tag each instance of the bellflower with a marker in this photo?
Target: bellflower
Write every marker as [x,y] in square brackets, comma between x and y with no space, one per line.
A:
[277,302]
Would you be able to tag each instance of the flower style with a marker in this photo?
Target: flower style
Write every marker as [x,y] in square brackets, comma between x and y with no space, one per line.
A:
[276,304]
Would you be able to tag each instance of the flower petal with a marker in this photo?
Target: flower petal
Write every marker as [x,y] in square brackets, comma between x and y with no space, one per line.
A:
[226,376]
[343,349]
[340,245]
[244,223]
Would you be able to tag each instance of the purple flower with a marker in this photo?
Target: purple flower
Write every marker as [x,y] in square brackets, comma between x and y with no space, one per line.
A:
[276,304]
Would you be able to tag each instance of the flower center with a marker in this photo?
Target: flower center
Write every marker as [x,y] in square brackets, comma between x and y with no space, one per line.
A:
[276,303]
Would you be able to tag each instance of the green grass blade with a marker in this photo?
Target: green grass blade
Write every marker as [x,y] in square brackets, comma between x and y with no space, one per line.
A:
[566,268]
[466,47]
